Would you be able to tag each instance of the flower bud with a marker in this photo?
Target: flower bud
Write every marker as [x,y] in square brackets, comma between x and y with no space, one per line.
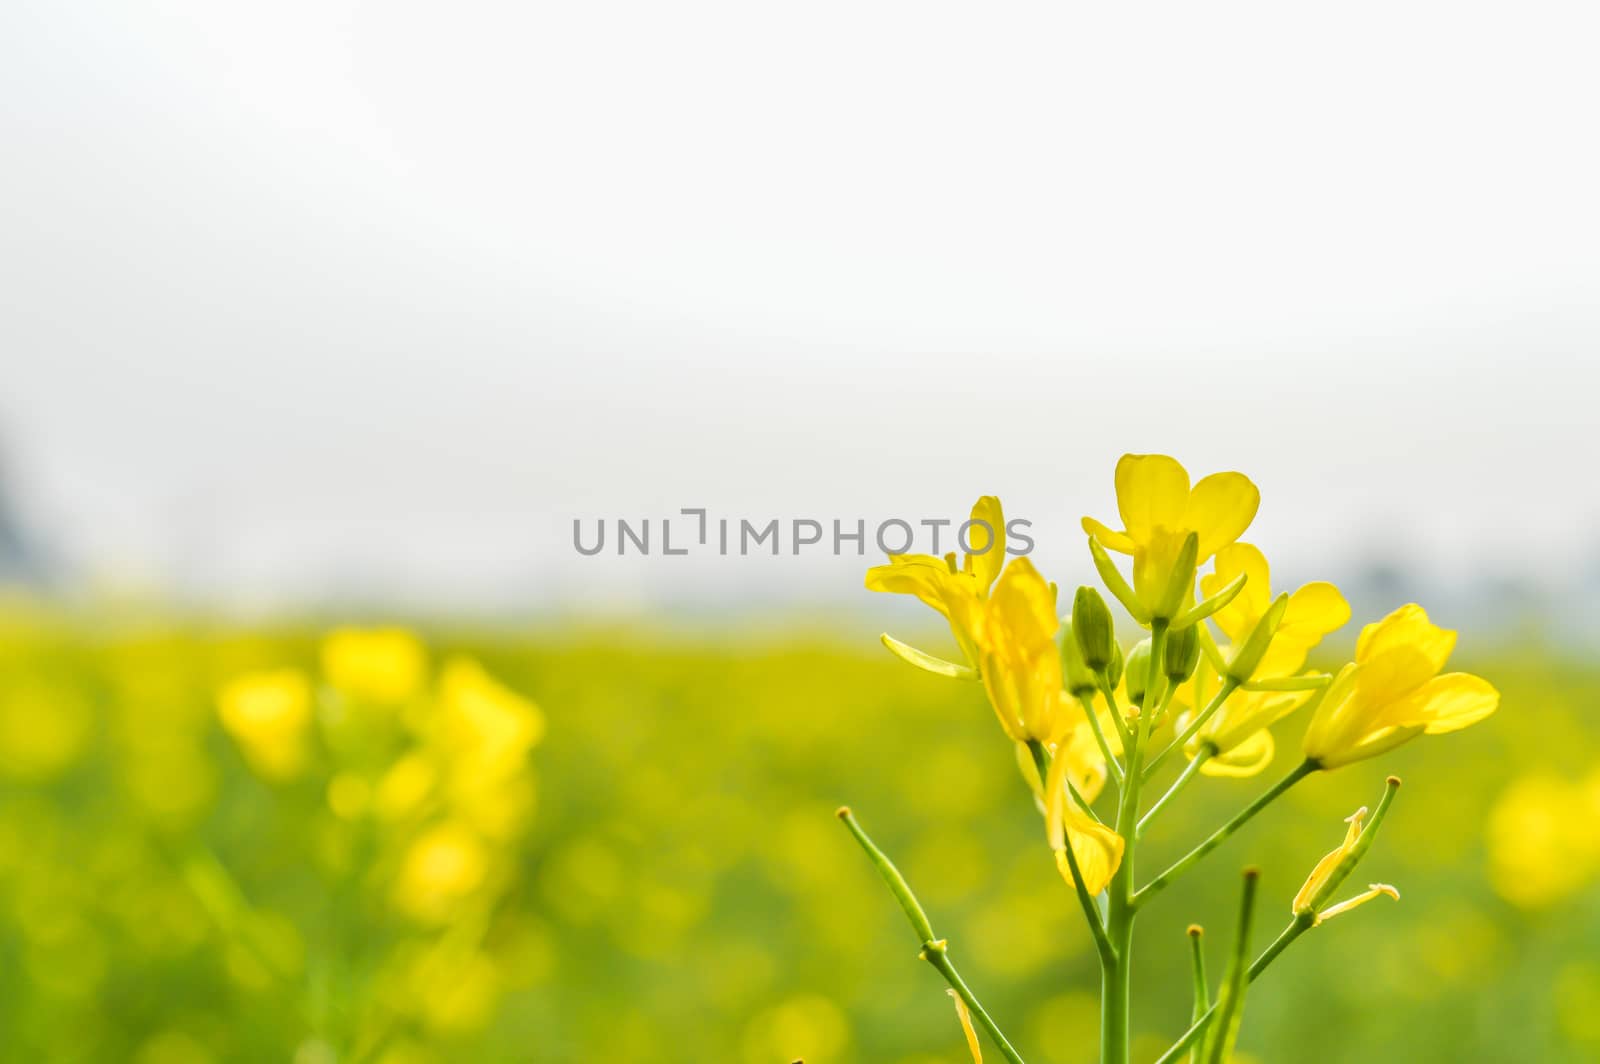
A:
[1075,673]
[1138,671]
[1091,625]
[1182,654]
[1114,666]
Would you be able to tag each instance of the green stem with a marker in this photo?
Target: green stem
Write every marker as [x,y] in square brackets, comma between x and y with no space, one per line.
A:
[1116,976]
[1230,1001]
[934,950]
[1197,971]
[1227,688]
[1221,835]
[1112,764]
[1300,926]
[1189,773]
[1116,714]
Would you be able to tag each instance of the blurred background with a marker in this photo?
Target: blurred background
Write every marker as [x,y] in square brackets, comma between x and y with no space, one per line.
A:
[324,323]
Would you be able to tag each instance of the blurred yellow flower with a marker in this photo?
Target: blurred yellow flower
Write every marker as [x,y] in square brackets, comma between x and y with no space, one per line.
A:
[957,593]
[44,729]
[1543,839]
[441,868]
[1159,509]
[486,726]
[1307,900]
[1393,692]
[1021,669]
[381,665]
[269,716]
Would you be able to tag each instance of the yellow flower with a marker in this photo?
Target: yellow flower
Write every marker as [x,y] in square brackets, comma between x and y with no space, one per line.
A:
[1314,610]
[1393,692]
[269,716]
[1306,901]
[485,722]
[485,733]
[1238,730]
[957,593]
[381,665]
[1017,657]
[440,870]
[1159,509]
[1543,839]
[1096,848]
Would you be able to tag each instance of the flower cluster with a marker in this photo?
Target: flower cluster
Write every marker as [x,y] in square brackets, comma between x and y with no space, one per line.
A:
[1225,659]
[428,774]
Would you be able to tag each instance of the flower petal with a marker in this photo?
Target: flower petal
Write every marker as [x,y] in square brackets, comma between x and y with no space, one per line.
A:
[1314,610]
[1220,508]
[1445,704]
[989,546]
[1152,491]
[1247,758]
[1117,541]
[1239,616]
[1097,848]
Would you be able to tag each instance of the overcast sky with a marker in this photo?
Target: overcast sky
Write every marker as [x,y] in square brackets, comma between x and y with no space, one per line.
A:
[301,299]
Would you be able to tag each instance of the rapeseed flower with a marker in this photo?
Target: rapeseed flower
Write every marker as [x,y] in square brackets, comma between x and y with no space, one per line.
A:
[1159,510]
[1394,692]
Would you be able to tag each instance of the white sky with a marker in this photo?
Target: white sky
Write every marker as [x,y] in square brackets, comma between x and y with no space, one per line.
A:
[307,298]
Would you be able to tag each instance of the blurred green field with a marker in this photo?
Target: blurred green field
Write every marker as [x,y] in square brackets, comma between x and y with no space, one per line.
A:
[673,885]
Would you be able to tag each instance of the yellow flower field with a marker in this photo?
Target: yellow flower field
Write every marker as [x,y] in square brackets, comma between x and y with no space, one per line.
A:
[323,843]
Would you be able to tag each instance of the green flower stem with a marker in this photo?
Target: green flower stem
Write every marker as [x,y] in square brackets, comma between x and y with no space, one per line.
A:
[1116,714]
[1116,972]
[1227,688]
[934,950]
[1230,1001]
[1300,925]
[1112,765]
[1189,773]
[1197,971]
[1221,835]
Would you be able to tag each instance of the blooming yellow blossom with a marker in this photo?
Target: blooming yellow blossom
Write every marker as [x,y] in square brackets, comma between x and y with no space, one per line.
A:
[1307,900]
[380,665]
[957,593]
[269,716]
[440,869]
[1393,692]
[1159,509]
[1314,609]
[1016,642]
[1237,732]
